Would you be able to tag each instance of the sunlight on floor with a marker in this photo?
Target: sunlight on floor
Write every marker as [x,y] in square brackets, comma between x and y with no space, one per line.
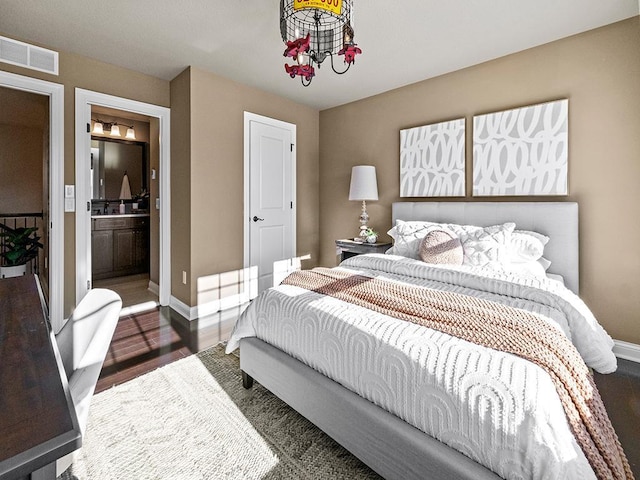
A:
[140,307]
[134,291]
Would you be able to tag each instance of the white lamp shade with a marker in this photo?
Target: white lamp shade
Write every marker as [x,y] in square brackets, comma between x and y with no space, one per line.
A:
[364,185]
[115,131]
[131,133]
[97,128]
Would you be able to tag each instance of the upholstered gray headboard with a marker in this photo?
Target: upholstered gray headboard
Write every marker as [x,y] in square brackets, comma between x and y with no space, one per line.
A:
[557,220]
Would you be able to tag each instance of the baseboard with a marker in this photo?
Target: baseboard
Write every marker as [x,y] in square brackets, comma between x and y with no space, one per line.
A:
[154,288]
[183,309]
[209,308]
[627,350]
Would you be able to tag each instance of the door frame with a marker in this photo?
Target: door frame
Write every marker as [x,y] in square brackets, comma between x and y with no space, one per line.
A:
[83,102]
[55,92]
[248,118]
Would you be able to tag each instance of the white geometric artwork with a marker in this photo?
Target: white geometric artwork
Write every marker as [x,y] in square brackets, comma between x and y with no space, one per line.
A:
[432,160]
[523,151]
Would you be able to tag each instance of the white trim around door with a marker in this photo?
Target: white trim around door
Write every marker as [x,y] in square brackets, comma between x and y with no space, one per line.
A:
[55,92]
[84,100]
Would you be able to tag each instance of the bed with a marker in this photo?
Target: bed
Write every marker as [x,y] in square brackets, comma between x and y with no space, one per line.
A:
[395,445]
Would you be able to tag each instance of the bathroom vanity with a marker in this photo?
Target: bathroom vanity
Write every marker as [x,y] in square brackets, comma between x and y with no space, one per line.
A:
[119,245]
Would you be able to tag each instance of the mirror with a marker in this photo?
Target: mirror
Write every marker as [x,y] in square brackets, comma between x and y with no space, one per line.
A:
[110,159]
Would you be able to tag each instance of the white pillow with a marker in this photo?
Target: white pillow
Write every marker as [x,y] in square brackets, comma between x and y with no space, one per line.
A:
[545,263]
[526,246]
[481,246]
[407,237]
[532,268]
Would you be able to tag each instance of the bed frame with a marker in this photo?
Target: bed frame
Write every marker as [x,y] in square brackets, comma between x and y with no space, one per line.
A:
[388,445]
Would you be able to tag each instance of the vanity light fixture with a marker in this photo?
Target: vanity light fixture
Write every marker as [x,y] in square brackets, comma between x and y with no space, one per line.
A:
[112,128]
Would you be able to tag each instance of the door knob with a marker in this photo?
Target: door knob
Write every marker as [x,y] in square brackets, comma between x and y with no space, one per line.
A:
[257,219]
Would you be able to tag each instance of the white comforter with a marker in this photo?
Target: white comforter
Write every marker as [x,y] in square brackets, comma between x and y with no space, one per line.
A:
[494,407]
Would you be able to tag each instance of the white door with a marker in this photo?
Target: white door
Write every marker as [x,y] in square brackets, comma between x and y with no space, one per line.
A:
[270,195]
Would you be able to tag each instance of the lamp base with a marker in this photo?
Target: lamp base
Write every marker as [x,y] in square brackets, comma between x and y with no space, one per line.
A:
[364,219]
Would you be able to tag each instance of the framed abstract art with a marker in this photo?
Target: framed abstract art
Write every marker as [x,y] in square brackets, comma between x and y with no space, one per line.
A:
[523,151]
[432,160]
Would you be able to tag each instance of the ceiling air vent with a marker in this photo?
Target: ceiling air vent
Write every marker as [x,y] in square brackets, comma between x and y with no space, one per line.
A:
[28,56]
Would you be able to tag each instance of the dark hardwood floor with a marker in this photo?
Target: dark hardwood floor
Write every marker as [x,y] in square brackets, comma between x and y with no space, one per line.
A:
[620,392]
[148,340]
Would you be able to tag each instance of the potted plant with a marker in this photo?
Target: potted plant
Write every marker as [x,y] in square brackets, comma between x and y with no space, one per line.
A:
[139,200]
[21,245]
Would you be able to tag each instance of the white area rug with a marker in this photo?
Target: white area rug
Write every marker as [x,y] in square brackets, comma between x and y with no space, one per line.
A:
[192,420]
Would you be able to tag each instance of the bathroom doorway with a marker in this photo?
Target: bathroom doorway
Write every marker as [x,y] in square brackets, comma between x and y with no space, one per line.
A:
[124,228]
[113,244]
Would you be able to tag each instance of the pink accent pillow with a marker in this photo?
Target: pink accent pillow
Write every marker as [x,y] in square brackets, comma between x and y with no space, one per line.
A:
[439,246]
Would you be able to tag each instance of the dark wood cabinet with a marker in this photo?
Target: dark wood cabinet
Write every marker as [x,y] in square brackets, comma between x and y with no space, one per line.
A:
[119,246]
[123,250]
[102,251]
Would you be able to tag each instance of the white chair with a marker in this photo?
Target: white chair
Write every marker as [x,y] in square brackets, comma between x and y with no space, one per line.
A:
[83,343]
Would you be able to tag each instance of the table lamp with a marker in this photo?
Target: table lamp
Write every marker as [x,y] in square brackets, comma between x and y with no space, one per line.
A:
[363,187]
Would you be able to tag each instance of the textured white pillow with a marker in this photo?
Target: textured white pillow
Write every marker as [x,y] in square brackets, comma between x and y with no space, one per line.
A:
[484,246]
[407,237]
[481,246]
[526,246]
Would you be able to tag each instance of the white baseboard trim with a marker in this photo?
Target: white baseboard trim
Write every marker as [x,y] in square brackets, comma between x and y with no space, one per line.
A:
[154,288]
[209,308]
[627,350]
[182,308]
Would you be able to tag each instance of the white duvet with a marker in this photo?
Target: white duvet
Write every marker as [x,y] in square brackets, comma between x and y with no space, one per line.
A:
[496,408]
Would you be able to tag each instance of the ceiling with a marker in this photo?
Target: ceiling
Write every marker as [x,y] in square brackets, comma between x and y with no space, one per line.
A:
[403,42]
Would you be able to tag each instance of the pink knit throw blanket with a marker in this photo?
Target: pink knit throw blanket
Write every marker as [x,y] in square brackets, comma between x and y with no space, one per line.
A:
[495,326]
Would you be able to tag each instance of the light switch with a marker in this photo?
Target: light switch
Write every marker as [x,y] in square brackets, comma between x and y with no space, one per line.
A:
[157,204]
[69,204]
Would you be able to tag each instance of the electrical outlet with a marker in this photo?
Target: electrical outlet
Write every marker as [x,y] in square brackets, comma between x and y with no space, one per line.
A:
[184,277]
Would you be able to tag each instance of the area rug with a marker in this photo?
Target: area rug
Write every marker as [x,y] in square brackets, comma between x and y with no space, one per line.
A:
[193,420]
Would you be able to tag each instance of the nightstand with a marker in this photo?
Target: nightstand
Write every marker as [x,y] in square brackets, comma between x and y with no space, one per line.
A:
[349,248]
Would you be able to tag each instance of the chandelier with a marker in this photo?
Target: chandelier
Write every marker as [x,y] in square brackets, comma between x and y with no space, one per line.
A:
[314,30]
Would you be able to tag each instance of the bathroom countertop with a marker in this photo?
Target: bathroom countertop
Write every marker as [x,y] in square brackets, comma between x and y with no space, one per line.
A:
[117,215]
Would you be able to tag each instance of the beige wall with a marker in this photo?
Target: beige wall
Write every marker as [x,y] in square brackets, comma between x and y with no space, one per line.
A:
[77,71]
[598,71]
[216,208]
